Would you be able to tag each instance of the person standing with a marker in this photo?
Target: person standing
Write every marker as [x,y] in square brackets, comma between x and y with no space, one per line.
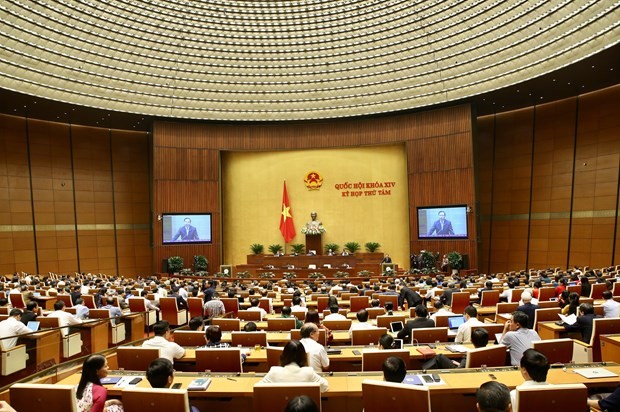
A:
[442,226]
[187,231]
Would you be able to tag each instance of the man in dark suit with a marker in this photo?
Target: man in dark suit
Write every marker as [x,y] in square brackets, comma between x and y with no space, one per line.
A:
[421,320]
[187,231]
[412,297]
[585,322]
[528,308]
[387,259]
[30,313]
[442,226]
[446,297]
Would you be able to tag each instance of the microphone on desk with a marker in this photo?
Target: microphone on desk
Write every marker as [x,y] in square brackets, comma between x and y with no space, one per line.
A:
[416,341]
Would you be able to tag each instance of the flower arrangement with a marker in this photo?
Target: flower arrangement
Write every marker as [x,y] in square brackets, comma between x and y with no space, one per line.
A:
[364,273]
[243,275]
[266,275]
[201,273]
[389,271]
[186,272]
[316,275]
[341,274]
[221,275]
[289,275]
[313,229]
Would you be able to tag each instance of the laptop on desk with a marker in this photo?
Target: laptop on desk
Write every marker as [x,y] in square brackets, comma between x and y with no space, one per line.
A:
[454,322]
[33,325]
[397,326]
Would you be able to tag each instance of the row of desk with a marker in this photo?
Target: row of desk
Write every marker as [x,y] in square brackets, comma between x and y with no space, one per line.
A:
[232,392]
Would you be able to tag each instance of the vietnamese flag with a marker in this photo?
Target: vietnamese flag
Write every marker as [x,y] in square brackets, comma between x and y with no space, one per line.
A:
[286,218]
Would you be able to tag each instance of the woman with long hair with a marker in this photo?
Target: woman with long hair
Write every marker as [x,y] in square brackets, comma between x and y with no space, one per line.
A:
[293,367]
[91,394]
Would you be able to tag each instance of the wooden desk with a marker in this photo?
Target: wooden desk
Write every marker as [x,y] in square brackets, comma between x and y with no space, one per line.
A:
[610,348]
[46,302]
[134,326]
[94,335]
[46,346]
[229,392]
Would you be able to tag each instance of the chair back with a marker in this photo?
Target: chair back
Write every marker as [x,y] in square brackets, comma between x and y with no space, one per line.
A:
[135,358]
[281,324]
[574,288]
[321,303]
[516,295]
[367,336]
[43,397]
[374,312]
[136,305]
[616,289]
[344,324]
[227,325]
[489,298]
[601,326]
[381,396]
[389,298]
[296,335]
[357,303]
[89,302]
[270,397]
[441,321]
[546,315]
[491,328]
[99,314]
[460,300]
[65,298]
[170,311]
[253,315]
[155,399]
[429,335]
[273,355]
[556,350]
[189,337]
[372,360]
[547,304]
[564,397]
[489,356]
[195,307]
[596,292]
[17,300]
[264,304]
[504,307]
[299,314]
[249,339]
[385,320]
[219,360]
[231,305]
[546,293]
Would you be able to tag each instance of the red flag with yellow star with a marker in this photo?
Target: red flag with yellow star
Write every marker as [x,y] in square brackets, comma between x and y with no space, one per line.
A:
[286,218]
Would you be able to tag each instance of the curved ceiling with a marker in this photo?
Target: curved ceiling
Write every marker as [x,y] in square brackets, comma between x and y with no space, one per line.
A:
[289,60]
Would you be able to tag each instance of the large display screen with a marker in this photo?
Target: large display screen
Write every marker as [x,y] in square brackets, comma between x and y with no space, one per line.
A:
[179,228]
[442,222]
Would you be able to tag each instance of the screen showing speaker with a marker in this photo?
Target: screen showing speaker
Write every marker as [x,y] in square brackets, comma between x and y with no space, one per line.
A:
[442,222]
[180,228]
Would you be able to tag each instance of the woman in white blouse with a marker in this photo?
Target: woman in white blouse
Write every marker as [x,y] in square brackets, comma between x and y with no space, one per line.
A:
[293,368]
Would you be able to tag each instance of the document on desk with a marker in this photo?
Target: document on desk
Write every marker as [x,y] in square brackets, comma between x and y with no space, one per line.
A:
[593,373]
[569,320]
[458,348]
[199,384]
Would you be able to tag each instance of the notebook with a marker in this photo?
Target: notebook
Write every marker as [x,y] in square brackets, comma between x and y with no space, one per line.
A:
[33,325]
[455,321]
[396,326]
[199,384]
[110,380]
[593,373]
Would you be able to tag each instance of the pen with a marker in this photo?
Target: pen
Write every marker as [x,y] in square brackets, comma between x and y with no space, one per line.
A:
[231,379]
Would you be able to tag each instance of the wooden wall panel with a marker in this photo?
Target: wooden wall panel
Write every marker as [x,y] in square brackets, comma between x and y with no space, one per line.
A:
[439,145]
[575,168]
[73,197]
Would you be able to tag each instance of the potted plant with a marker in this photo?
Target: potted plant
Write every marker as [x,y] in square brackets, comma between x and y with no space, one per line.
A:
[266,275]
[455,260]
[257,248]
[275,249]
[429,262]
[175,264]
[364,273]
[298,248]
[333,247]
[352,247]
[243,275]
[289,275]
[316,275]
[186,272]
[341,274]
[201,273]
[372,247]
[222,275]
[200,263]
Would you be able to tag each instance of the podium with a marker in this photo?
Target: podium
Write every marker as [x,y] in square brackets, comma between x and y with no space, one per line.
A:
[314,242]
